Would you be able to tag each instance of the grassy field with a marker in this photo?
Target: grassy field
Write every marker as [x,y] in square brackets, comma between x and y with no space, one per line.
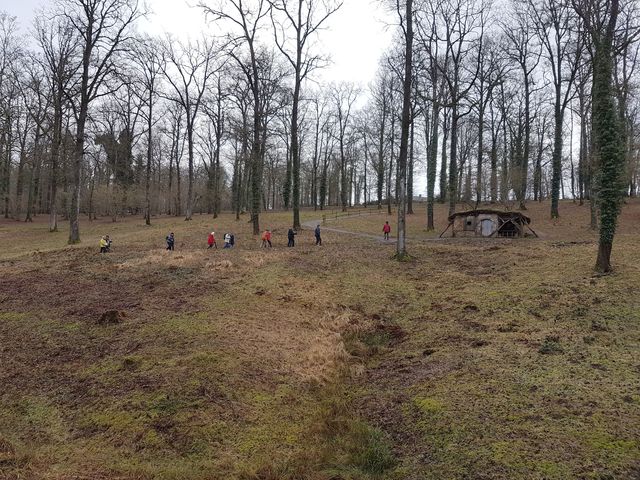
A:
[478,359]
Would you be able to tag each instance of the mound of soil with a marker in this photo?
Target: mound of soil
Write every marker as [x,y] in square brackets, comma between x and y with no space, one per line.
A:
[111,317]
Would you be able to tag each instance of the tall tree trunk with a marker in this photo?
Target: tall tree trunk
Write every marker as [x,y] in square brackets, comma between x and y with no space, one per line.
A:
[453,161]
[494,165]
[20,174]
[380,164]
[481,107]
[55,157]
[401,247]
[410,172]
[556,160]
[190,171]
[390,172]
[524,162]
[78,151]
[432,163]
[147,183]
[295,151]
[608,139]
[443,160]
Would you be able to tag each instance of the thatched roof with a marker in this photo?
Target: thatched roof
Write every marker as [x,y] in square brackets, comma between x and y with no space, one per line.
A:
[514,216]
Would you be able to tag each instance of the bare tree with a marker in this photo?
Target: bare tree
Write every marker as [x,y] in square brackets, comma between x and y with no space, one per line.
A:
[188,69]
[522,50]
[406,24]
[213,144]
[103,27]
[10,53]
[463,23]
[247,21]
[151,64]
[303,18]
[558,29]
[58,40]
[344,96]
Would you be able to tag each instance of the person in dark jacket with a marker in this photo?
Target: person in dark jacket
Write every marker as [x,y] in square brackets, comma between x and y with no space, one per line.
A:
[318,238]
[171,241]
[291,235]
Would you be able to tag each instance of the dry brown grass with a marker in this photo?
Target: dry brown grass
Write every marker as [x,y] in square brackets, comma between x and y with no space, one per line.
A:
[477,359]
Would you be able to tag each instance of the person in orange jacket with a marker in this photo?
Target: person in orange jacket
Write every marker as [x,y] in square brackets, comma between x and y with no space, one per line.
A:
[266,238]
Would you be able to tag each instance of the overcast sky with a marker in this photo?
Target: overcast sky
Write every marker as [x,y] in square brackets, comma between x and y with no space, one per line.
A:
[355,38]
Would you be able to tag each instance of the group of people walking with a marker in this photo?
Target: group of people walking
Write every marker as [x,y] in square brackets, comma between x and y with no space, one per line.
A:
[229,239]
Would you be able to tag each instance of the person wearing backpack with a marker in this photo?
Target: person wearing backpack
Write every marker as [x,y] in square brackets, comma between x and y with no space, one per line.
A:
[171,241]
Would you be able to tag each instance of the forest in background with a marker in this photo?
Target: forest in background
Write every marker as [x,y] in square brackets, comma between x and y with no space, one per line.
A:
[97,118]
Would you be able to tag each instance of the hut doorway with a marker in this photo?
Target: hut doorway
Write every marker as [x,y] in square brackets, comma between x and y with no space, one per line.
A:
[487,227]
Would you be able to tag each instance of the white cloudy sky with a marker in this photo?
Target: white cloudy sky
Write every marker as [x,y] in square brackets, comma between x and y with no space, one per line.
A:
[355,37]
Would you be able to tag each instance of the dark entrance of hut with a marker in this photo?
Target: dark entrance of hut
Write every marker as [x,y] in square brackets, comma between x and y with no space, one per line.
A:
[508,229]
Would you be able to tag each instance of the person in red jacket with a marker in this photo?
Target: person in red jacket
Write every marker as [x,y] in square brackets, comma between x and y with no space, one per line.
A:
[212,240]
[386,229]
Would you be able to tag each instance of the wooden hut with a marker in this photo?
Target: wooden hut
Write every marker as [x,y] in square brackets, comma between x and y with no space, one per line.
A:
[488,223]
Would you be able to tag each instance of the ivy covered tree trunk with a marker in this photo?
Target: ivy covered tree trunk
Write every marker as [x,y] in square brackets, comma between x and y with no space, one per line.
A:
[608,147]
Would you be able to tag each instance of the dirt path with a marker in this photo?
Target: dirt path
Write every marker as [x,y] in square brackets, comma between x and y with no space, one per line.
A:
[312,225]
